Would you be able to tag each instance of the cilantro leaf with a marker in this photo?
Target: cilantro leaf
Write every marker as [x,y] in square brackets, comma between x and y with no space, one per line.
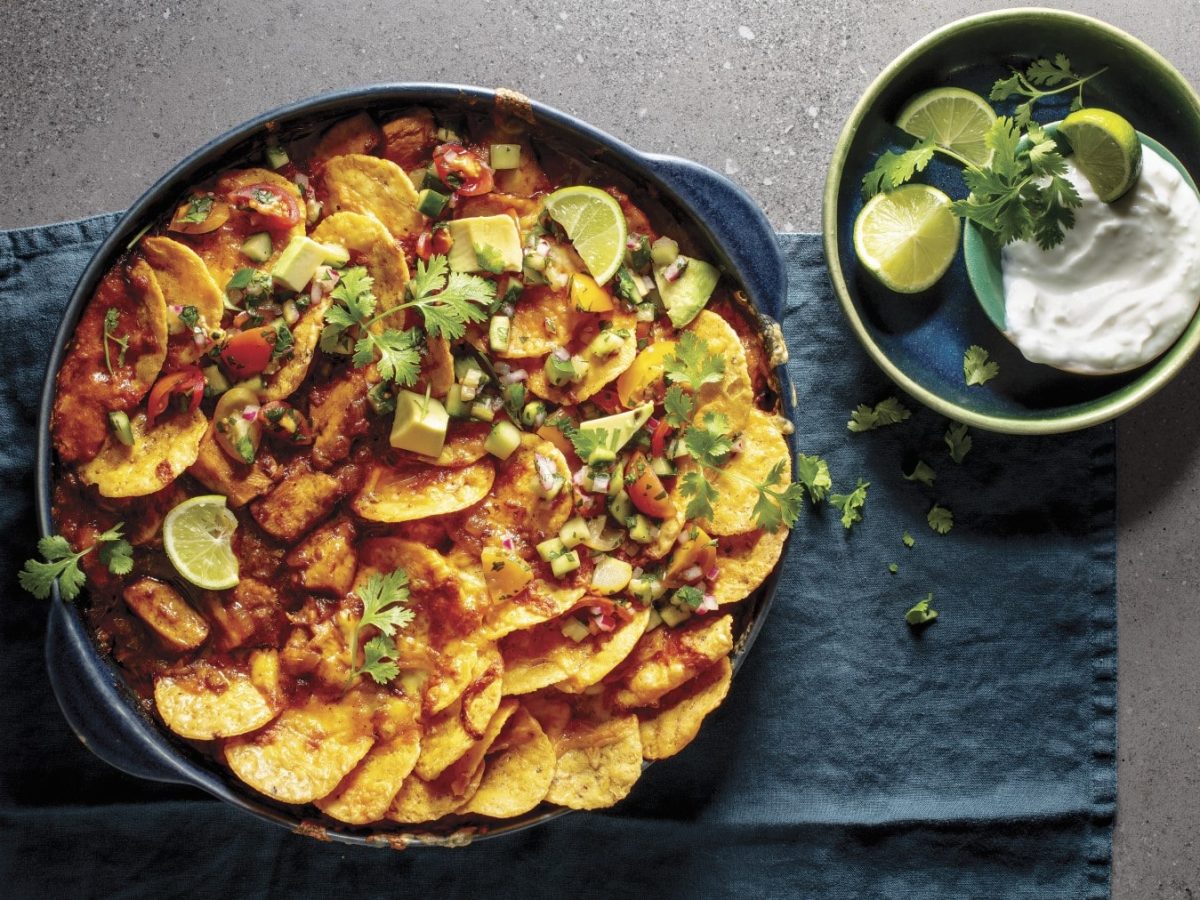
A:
[888,411]
[429,277]
[940,519]
[198,209]
[700,494]
[62,563]
[1047,73]
[489,258]
[189,316]
[399,359]
[585,441]
[813,473]
[709,443]
[690,596]
[922,473]
[448,305]
[777,507]
[851,504]
[383,598]
[893,568]
[355,291]
[958,441]
[908,540]
[977,368]
[894,169]
[921,612]
[679,406]
[692,365]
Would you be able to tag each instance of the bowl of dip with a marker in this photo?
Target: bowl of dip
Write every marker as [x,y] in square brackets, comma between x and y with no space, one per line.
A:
[1117,292]
[919,340]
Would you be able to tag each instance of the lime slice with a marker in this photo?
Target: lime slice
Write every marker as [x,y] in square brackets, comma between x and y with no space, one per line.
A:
[1107,150]
[595,224]
[907,238]
[956,119]
[196,536]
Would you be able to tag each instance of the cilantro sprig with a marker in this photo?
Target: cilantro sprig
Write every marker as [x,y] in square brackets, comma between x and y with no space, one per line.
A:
[851,504]
[62,563]
[977,368]
[691,365]
[112,318]
[1022,193]
[384,599]
[447,304]
[813,473]
[888,411]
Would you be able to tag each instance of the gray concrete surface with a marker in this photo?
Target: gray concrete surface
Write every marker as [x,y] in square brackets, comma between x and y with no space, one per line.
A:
[98,98]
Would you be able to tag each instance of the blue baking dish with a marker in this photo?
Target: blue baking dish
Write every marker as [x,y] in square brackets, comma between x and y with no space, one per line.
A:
[101,709]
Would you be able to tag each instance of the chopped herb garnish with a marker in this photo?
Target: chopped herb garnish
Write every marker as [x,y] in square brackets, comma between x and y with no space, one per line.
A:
[384,599]
[690,596]
[190,317]
[198,209]
[908,540]
[62,563]
[112,317]
[922,473]
[851,504]
[958,441]
[893,568]
[921,612]
[940,519]
[977,368]
[489,258]
[888,411]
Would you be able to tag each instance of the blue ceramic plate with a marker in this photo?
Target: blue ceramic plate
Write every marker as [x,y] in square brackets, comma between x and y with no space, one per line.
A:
[919,340]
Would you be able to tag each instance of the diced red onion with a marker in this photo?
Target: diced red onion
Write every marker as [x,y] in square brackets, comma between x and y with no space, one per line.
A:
[507,543]
[709,604]
[712,573]
[580,477]
[250,413]
[605,622]
[501,367]
[600,483]
[547,472]
[514,376]
[315,292]
[692,573]
[561,353]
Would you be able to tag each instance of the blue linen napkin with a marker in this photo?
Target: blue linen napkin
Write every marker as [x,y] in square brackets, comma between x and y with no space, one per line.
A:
[854,756]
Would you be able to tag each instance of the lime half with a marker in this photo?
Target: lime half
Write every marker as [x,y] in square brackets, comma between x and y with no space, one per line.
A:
[196,536]
[956,119]
[907,238]
[1107,150]
[595,224]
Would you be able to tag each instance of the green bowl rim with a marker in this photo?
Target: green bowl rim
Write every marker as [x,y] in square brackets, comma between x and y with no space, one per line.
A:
[1100,410]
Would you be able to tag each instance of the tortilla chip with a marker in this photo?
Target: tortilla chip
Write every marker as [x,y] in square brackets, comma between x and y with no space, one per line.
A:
[454,731]
[539,602]
[357,134]
[87,391]
[240,483]
[370,245]
[424,801]
[307,751]
[375,187]
[366,793]
[206,702]
[601,369]
[515,505]
[544,320]
[517,773]
[438,369]
[156,459]
[184,281]
[598,763]
[463,446]
[306,335]
[537,657]
[744,561]
[763,445]
[677,720]
[404,493]
[667,657]
[733,395]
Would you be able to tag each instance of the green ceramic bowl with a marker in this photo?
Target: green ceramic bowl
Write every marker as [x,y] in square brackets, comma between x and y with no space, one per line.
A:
[919,340]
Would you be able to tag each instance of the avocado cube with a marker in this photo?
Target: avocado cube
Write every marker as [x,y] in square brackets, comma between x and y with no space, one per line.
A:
[689,293]
[298,263]
[420,424]
[496,234]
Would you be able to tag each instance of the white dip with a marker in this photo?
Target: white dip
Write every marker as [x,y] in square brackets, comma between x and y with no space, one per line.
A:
[1123,285]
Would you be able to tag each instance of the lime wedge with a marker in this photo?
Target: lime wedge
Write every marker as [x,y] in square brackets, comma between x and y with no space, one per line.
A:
[595,224]
[907,238]
[196,536]
[1107,150]
[956,119]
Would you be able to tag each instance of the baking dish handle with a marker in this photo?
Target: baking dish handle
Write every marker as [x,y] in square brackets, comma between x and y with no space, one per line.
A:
[90,699]
[736,222]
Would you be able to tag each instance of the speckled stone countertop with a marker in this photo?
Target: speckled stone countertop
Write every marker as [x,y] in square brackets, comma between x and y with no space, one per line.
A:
[99,98]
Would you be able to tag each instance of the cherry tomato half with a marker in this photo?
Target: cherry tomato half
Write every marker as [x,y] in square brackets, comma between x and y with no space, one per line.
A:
[248,353]
[645,490]
[283,422]
[622,611]
[463,170]
[273,206]
[187,383]
[434,243]
[658,440]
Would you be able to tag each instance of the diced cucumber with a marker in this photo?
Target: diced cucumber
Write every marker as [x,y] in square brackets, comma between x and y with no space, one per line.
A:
[661,466]
[581,367]
[575,630]
[258,246]
[277,157]
[574,532]
[550,548]
[621,509]
[503,440]
[534,414]
[639,255]
[606,343]
[559,372]
[431,202]
[216,381]
[617,483]
[506,156]
[674,616]
[611,575]
[482,411]
[567,562]
[382,399]
[654,621]
[121,429]
[664,251]
[463,366]
[336,255]
[642,530]
[499,333]
[455,405]
[646,588]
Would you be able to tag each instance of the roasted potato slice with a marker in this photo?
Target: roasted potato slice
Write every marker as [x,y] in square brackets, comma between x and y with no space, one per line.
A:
[167,614]
[158,456]
[325,561]
[405,493]
[307,751]
[205,702]
[409,139]
[296,504]
[91,382]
